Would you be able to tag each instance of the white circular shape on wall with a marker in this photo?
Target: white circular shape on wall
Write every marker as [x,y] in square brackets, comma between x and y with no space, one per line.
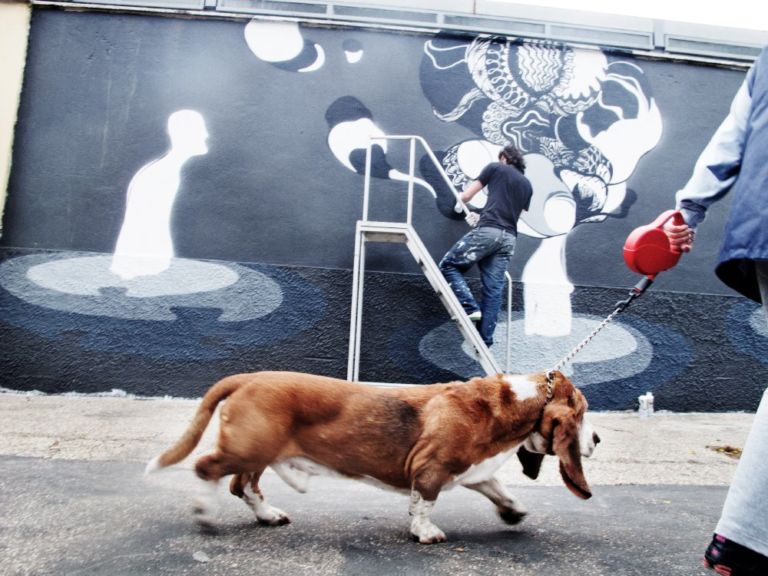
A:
[619,351]
[87,275]
[274,41]
[85,285]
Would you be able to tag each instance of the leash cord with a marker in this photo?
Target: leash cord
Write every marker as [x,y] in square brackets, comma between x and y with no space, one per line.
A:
[636,292]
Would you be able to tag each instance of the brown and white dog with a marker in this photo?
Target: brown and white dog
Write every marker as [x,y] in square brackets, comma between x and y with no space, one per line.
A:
[421,439]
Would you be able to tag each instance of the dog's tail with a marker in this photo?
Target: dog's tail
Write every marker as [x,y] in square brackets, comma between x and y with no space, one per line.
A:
[191,437]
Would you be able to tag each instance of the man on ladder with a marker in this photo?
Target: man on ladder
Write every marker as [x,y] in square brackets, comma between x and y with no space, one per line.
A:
[491,242]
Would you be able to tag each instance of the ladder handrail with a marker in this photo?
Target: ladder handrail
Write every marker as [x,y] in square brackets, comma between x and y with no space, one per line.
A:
[413,138]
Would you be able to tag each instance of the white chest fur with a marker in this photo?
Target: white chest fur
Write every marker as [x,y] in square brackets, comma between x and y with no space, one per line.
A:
[484,470]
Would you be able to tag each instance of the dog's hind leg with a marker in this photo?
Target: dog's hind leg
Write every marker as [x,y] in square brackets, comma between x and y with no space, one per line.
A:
[509,510]
[246,487]
[238,483]
[205,506]
[210,469]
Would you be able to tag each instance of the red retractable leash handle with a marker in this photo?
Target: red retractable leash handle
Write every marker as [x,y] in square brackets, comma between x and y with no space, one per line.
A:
[648,251]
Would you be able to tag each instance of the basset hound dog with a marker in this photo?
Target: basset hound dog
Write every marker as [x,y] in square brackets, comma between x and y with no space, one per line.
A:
[420,439]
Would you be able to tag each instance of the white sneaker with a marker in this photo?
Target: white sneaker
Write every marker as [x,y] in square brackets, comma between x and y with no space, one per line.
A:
[476,316]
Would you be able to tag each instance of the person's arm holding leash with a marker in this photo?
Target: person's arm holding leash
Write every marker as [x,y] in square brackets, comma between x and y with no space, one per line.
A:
[735,158]
[716,169]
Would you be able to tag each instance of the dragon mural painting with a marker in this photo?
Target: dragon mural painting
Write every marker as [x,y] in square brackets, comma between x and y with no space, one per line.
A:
[583,123]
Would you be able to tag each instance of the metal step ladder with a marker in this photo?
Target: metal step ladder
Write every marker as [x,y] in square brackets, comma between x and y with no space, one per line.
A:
[403,232]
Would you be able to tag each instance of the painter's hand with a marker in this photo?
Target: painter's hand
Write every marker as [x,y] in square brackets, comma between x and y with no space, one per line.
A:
[459,207]
[680,236]
[472,219]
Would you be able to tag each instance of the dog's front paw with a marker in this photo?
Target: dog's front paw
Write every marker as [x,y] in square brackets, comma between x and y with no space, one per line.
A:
[426,532]
[271,516]
[512,514]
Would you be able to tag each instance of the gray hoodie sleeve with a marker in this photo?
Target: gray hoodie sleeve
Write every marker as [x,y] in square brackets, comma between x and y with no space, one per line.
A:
[719,164]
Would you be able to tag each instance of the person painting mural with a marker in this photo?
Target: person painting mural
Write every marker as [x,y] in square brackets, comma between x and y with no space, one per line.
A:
[736,161]
[491,242]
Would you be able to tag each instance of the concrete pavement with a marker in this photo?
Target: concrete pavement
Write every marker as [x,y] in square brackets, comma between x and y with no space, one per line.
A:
[73,501]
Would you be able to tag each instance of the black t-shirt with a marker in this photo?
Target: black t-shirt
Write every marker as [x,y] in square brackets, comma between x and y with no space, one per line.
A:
[509,193]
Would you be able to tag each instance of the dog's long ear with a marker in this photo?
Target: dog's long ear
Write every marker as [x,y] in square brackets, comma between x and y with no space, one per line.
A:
[565,444]
[531,462]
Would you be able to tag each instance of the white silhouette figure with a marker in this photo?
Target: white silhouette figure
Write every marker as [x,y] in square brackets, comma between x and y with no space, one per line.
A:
[145,246]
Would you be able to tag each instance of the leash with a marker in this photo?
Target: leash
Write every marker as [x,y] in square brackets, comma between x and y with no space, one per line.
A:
[622,305]
[647,251]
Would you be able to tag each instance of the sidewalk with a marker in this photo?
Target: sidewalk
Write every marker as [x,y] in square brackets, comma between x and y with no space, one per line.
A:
[73,501]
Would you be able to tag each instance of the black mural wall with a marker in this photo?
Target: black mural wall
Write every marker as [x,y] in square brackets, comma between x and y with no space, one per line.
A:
[184,193]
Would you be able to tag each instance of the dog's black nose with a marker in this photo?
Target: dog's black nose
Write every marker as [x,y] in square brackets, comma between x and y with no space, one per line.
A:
[595,438]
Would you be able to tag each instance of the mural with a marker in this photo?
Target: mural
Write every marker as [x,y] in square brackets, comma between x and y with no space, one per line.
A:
[210,306]
[210,200]
[582,122]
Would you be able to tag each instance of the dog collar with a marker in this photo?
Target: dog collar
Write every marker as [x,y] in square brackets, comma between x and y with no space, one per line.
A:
[550,386]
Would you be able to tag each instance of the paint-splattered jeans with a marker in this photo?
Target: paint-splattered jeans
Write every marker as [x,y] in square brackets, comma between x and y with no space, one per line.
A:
[491,249]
